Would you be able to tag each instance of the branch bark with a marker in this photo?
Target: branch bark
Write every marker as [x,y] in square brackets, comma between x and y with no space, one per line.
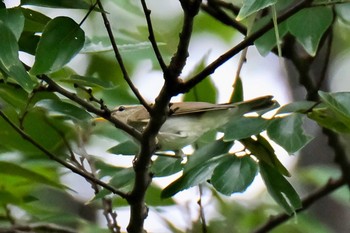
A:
[275,221]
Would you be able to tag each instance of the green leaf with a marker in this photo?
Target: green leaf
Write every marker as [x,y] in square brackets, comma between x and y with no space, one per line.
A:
[191,177]
[125,148]
[153,197]
[297,107]
[61,40]
[8,198]
[87,81]
[205,91]
[237,93]
[122,178]
[12,169]
[268,41]
[325,117]
[207,152]
[34,20]
[102,44]
[289,133]
[13,95]
[28,42]
[280,189]
[251,6]
[334,113]
[166,166]
[61,108]
[309,25]
[338,103]
[234,174]
[76,4]
[245,127]
[13,19]
[9,60]
[263,151]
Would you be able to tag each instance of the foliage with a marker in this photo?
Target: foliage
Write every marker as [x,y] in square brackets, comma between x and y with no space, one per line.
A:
[58,73]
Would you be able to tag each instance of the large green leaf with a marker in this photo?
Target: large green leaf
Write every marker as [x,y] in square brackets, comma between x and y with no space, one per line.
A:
[191,177]
[288,132]
[327,118]
[205,91]
[280,189]
[122,178]
[8,198]
[9,60]
[61,40]
[297,107]
[166,166]
[125,148]
[268,41]
[76,4]
[13,19]
[237,93]
[13,95]
[199,167]
[334,113]
[34,20]
[12,169]
[338,102]
[251,6]
[309,25]
[60,108]
[33,25]
[234,174]
[87,81]
[207,152]
[244,127]
[263,151]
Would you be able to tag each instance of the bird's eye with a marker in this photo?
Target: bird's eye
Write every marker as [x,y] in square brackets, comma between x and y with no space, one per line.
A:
[121,108]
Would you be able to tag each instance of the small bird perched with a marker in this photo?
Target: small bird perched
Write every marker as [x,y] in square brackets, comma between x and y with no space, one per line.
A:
[188,121]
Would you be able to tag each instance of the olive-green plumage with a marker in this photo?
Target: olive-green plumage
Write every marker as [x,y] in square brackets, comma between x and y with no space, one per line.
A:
[189,120]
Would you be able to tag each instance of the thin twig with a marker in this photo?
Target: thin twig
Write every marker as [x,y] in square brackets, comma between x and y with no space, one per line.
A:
[103,112]
[223,17]
[28,138]
[229,6]
[201,209]
[151,36]
[120,59]
[92,7]
[178,61]
[110,215]
[275,221]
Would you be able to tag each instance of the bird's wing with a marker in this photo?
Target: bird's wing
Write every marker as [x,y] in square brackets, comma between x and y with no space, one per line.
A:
[196,107]
[141,116]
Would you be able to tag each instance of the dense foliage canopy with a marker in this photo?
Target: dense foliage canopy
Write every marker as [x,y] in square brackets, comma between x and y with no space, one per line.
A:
[65,63]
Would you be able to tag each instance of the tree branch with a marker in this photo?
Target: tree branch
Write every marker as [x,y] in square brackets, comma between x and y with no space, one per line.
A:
[178,61]
[249,40]
[221,16]
[119,57]
[103,112]
[275,221]
[28,138]
[152,38]
[158,115]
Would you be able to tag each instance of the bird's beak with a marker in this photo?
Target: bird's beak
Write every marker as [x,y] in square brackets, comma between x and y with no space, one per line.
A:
[99,119]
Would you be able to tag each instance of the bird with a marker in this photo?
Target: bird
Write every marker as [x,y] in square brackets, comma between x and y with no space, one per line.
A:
[188,121]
